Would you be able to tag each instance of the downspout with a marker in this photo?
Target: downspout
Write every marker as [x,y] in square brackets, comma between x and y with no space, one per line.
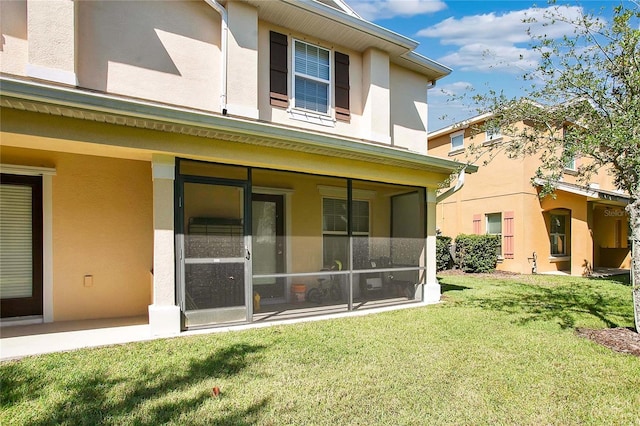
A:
[224,34]
[451,191]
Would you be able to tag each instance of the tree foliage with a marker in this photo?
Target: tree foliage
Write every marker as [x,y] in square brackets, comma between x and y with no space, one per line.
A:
[583,100]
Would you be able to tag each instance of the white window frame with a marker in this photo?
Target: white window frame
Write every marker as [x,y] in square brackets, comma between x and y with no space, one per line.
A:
[346,232]
[47,234]
[486,220]
[492,134]
[558,234]
[328,82]
[460,148]
[571,164]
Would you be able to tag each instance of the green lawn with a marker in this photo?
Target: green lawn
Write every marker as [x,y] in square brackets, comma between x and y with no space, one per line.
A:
[499,350]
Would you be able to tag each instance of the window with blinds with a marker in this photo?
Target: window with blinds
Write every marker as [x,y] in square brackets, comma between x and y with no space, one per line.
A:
[16,241]
[312,77]
[334,230]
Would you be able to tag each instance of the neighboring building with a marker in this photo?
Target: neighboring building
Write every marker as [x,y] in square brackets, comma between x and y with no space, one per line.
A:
[578,230]
[202,162]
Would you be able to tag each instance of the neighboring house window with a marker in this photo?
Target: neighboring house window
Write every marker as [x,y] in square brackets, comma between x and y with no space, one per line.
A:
[570,163]
[312,82]
[558,235]
[335,235]
[457,141]
[312,77]
[492,133]
[494,227]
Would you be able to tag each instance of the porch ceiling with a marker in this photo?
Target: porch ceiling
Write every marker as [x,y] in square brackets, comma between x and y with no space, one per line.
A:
[79,104]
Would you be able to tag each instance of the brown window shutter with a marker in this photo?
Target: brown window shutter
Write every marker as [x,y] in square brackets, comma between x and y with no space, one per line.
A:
[477,220]
[508,233]
[343,112]
[278,70]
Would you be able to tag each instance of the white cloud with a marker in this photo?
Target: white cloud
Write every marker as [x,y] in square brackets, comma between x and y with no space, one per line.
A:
[450,89]
[491,41]
[386,9]
[482,57]
[447,105]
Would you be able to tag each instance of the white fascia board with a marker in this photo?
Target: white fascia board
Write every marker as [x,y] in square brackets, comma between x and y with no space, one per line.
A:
[356,22]
[595,194]
[110,104]
[460,125]
[424,62]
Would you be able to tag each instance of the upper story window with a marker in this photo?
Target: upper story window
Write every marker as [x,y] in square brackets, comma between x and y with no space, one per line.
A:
[570,163]
[312,77]
[317,85]
[457,141]
[492,134]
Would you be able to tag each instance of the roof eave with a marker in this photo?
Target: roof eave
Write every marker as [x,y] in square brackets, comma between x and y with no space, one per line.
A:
[257,131]
[356,22]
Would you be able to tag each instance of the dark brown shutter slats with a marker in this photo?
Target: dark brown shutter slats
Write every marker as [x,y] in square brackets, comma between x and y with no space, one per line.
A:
[278,70]
[343,112]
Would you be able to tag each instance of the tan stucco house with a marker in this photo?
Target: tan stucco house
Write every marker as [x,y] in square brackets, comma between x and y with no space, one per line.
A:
[208,163]
[576,231]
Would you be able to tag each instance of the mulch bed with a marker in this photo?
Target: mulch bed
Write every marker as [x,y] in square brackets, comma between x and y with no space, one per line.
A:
[619,339]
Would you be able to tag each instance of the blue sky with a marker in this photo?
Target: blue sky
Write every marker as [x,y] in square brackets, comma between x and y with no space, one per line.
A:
[484,42]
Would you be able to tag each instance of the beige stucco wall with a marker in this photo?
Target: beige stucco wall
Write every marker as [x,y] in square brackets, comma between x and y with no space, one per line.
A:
[102,227]
[408,112]
[52,40]
[242,74]
[171,53]
[14,49]
[376,98]
[103,202]
[78,136]
[168,53]
[284,116]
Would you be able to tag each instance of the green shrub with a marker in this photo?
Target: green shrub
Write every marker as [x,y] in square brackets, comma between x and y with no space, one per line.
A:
[477,253]
[443,253]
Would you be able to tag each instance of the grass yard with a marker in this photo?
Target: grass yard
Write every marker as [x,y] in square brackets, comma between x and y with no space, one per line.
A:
[499,350]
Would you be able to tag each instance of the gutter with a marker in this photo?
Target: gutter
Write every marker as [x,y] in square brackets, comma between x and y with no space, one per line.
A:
[224,34]
[458,187]
[356,22]
[15,90]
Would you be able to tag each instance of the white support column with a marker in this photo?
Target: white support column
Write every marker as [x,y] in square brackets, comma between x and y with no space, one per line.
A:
[432,286]
[242,62]
[376,125]
[164,315]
